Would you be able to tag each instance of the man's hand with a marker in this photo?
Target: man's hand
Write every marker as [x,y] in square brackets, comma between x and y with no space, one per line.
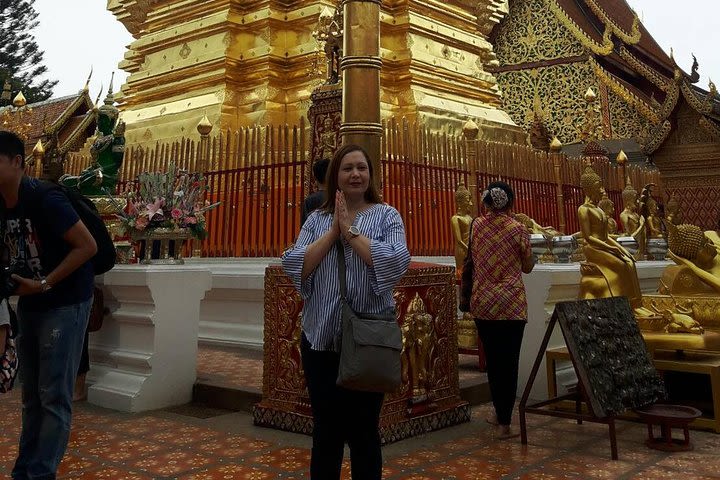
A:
[26,286]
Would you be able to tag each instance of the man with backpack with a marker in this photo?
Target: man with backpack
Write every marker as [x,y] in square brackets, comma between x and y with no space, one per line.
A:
[46,251]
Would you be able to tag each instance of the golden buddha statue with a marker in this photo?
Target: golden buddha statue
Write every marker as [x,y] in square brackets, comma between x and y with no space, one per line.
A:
[608,207]
[534,227]
[672,211]
[630,217]
[417,345]
[698,264]
[460,224]
[649,210]
[611,269]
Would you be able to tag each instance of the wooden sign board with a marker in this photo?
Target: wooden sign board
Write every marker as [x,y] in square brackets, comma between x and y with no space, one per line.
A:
[609,354]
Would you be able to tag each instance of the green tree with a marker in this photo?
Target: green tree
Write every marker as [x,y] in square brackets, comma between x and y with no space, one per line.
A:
[20,56]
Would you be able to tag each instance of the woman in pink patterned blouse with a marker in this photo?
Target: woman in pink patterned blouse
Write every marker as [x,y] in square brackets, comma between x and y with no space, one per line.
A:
[500,253]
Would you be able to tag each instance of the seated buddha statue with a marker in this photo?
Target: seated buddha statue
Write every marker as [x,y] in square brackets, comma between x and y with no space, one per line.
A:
[698,264]
[649,210]
[460,224]
[611,271]
[672,211]
[608,207]
[630,217]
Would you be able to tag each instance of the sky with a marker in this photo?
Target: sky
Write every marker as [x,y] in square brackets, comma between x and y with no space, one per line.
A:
[78,35]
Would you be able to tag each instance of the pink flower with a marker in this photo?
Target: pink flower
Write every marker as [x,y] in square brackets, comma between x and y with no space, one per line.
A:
[190,220]
[155,208]
[176,213]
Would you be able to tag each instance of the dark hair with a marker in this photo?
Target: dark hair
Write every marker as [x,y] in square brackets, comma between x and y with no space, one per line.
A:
[488,199]
[371,194]
[11,145]
[320,169]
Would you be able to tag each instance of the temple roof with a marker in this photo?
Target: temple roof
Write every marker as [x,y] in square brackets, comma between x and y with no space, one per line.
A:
[62,123]
[628,60]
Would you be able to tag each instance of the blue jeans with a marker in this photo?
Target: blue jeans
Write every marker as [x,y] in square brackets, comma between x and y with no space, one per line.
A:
[49,344]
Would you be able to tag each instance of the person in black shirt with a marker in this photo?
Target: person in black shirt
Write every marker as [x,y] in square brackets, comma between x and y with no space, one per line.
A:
[45,241]
[314,200]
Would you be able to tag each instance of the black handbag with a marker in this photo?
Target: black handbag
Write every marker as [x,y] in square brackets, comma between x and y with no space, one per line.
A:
[370,345]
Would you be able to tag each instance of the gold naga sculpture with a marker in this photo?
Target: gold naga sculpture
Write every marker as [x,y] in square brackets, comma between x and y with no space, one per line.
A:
[610,269]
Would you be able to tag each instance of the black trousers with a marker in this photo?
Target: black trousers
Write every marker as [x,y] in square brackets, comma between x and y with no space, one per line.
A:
[340,416]
[501,340]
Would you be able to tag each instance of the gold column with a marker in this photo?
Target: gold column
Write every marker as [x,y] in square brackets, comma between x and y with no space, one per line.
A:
[360,68]
[470,132]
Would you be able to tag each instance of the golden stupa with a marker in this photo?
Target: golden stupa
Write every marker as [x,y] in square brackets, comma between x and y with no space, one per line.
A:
[246,63]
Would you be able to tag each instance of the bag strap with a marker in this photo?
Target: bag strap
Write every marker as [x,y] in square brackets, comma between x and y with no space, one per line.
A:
[341,270]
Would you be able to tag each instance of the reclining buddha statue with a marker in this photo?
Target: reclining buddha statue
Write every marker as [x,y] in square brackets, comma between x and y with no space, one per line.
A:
[696,254]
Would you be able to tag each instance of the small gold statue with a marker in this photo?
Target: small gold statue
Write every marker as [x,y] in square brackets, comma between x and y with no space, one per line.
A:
[608,207]
[696,253]
[328,139]
[649,210]
[672,211]
[611,269]
[460,223]
[630,217]
[417,328]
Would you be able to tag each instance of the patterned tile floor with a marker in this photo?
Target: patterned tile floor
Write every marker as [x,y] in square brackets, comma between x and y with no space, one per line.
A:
[196,443]
[177,445]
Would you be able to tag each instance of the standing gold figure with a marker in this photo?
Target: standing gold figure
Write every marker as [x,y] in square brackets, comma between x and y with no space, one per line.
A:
[460,223]
[417,329]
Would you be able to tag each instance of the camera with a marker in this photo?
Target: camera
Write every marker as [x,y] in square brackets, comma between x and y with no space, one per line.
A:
[8,285]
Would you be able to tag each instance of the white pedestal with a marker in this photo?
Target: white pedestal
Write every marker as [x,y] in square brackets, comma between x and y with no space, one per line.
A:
[145,355]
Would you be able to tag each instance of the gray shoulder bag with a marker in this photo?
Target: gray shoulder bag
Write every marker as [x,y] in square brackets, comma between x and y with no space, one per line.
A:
[370,346]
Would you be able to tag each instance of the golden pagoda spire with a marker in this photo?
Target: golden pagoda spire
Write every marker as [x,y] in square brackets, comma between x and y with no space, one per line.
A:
[19,100]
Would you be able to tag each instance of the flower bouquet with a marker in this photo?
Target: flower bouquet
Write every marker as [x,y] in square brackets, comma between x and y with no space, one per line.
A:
[172,201]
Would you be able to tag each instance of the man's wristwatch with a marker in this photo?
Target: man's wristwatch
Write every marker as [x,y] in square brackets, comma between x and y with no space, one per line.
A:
[44,286]
[353,231]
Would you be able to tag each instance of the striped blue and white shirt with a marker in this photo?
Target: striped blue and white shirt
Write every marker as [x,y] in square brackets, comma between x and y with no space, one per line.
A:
[369,289]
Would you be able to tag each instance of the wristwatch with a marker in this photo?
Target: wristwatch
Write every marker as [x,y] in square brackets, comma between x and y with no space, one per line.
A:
[353,231]
[44,286]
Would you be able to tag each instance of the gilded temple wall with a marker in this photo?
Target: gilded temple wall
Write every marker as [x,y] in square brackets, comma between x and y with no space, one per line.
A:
[545,69]
[255,62]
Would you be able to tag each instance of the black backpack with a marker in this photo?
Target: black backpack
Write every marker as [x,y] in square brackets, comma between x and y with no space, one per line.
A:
[104,259]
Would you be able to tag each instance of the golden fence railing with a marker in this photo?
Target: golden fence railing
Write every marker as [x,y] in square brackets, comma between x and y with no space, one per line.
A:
[262,174]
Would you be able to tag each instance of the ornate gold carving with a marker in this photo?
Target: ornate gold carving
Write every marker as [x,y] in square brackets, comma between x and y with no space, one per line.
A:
[642,68]
[604,48]
[625,120]
[624,93]
[631,38]
[653,141]
[711,127]
[695,102]
[557,89]
[529,34]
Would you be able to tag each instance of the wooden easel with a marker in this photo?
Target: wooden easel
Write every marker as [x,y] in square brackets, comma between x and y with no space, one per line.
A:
[578,397]
[614,370]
